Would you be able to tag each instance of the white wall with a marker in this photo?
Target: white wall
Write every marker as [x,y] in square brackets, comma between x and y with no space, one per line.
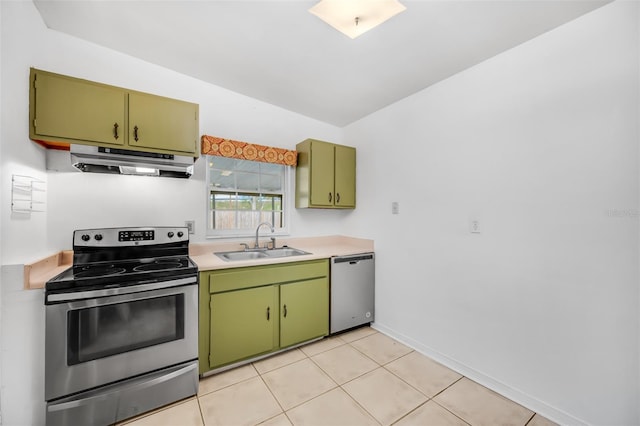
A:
[88,200]
[76,200]
[540,144]
[1,199]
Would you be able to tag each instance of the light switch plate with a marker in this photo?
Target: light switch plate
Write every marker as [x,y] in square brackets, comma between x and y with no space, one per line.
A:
[474,226]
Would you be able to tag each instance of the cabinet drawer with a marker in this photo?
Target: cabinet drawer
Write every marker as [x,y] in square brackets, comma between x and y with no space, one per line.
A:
[253,276]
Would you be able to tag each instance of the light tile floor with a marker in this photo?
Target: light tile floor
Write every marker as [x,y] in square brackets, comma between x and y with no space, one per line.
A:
[358,378]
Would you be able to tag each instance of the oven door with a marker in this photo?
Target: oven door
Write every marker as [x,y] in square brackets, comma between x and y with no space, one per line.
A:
[108,336]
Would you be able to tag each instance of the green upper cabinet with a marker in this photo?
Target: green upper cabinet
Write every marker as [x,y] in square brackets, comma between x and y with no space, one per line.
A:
[321,170]
[345,176]
[325,175]
[162,123]
[65,110]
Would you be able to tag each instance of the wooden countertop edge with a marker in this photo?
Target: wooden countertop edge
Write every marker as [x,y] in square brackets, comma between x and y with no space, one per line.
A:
[38,273]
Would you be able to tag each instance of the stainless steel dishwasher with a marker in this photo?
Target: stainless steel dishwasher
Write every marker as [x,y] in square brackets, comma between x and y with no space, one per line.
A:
[352,291]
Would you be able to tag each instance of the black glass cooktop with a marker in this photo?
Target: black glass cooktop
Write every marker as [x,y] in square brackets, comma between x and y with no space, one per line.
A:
[123,272]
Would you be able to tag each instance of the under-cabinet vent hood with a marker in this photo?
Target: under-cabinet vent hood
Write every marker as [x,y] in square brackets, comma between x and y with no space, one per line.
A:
[96,159]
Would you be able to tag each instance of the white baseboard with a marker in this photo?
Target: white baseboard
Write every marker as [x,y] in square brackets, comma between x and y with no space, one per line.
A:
[532,403]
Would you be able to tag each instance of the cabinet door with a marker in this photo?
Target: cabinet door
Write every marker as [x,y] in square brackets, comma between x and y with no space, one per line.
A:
[77,110]
[163,124]
[304,311]
[321,179]
[345,176]
[243,323]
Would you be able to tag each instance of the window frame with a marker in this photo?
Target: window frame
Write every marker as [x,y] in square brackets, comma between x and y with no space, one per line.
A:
[287,205]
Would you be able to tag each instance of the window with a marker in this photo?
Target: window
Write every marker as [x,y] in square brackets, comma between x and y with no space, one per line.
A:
[242,194]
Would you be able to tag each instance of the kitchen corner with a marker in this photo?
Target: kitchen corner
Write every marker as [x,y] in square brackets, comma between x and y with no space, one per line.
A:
[26,307]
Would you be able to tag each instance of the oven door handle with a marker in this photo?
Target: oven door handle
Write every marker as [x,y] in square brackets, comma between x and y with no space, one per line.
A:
[111,393]
[116,291]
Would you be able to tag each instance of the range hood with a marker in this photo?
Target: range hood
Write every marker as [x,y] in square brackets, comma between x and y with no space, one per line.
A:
[96,159]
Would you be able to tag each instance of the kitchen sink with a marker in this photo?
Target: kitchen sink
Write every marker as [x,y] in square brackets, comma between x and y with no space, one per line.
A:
[231,256]
[285,252]
[241,255]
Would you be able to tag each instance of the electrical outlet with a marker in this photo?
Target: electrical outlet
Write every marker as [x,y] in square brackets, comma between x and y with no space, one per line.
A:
[395,207]
[191,226]
[474,226]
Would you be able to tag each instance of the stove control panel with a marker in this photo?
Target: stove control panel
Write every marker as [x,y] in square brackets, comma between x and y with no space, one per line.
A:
[137,235]
[114,237]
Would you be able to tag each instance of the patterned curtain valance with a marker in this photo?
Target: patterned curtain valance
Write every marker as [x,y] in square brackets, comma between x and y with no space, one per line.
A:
[212,145]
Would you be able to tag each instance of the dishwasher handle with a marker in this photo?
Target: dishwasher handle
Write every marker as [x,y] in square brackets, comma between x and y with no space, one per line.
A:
[352,260]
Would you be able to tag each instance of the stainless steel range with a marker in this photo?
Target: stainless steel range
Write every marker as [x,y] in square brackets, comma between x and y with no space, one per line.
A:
[121,326]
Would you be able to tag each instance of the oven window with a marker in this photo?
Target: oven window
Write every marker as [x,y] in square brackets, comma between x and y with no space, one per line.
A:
[103,331]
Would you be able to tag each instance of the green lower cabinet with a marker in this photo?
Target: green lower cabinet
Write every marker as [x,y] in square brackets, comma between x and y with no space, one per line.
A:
[304,311]
[252,311]
[243,324]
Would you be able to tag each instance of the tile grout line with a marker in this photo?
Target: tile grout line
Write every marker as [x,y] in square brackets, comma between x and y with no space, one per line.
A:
[200,410]
[227,386]
[447,387]
[340,344]
[429,398]
[338,386]
[404,381]
[360,405]
[379,365]
[449,411]
[411,411]
[530,419]
[304,402]
[283,365]
[272,394]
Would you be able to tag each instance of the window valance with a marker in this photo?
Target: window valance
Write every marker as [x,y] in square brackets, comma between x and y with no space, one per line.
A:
[212,145]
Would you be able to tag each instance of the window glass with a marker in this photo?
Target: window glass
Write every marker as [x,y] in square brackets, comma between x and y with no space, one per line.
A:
[242,194]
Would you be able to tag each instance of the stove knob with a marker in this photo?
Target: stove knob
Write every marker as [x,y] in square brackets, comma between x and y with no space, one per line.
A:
[85,237]
[180,234]
[170,235]
[98,237]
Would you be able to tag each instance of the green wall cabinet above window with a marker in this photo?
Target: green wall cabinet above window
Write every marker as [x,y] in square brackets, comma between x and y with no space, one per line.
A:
[325,175]
[65,110]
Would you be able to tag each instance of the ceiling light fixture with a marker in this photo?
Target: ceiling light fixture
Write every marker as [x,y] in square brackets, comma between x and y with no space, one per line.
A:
[355,17]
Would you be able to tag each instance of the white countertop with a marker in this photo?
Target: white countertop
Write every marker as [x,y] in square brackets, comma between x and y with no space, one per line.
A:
[37,274]
[318,247]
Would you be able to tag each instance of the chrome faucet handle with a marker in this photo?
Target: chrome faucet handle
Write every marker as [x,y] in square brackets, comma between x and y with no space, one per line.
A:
[257,244]
[270,244]
[245,246]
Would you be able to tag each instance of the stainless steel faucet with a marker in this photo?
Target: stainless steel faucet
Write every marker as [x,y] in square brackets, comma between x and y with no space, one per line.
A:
[257,245]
